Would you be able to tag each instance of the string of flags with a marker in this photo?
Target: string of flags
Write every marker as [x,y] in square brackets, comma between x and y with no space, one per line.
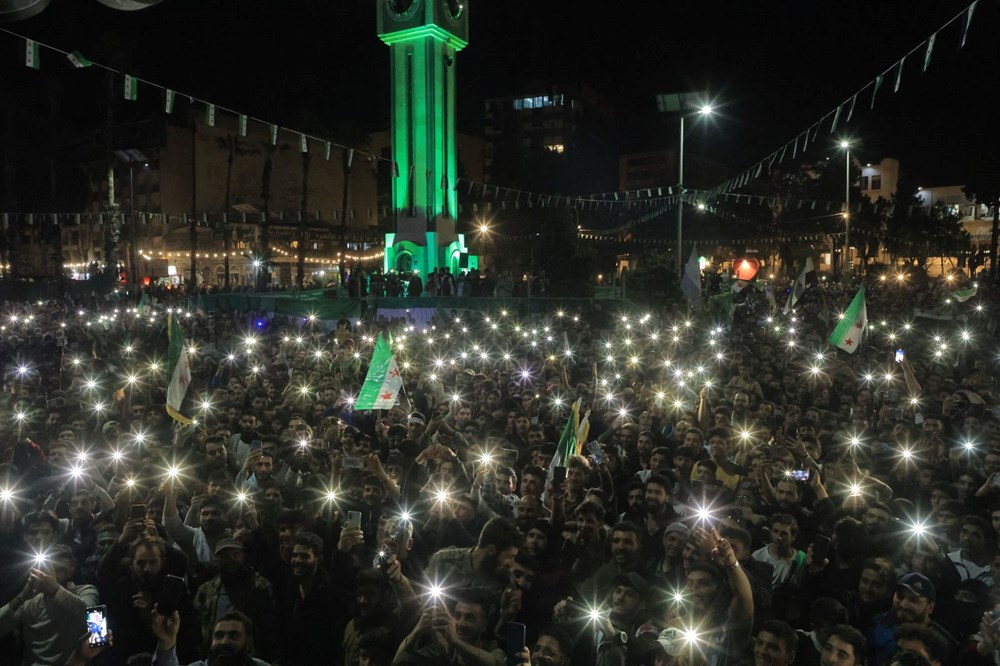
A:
[588,235]
[832,120]
[622,200]
[131,86]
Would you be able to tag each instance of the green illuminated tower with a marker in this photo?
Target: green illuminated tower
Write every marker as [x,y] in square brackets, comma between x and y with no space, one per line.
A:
[424,37]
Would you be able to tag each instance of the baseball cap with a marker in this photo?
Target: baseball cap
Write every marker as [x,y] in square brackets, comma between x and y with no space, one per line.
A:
[228,543]
[633,580]
[917,584]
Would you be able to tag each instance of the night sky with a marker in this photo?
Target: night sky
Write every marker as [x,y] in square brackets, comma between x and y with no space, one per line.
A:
[774,67]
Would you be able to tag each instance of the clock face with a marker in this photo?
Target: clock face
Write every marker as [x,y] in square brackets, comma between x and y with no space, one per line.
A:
[402,8]
[455,8]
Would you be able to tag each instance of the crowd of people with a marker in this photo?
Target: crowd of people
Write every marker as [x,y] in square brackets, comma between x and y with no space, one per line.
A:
[745,492]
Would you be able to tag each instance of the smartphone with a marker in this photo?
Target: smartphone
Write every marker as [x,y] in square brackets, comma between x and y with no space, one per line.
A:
[170,595]
[900,355]
[820,546]
[595,453]
[137,512]
[353,463]
[354,519]
[579,610]
[996,481]
[515,642]
[798,474]
[256,445]
[97,626]
[558,475]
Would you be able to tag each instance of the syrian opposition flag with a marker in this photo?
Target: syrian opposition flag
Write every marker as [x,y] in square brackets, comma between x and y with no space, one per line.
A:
[850,328]
[965,294]
[131,88]
[383,382]
[78,60]
[800,285]
[691,280]
[568,440]
[179,369]
[31,54]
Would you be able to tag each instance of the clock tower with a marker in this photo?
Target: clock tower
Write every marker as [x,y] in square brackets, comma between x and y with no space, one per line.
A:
[424,37]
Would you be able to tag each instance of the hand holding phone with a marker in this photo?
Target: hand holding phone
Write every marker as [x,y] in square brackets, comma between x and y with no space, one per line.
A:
[798,474]
[170,595]
[820,548]
[515,643]
[97,626]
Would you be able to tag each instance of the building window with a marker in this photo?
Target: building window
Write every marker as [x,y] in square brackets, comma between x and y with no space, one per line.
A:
[876,183]
[555,147]
[518,104]
[863,183]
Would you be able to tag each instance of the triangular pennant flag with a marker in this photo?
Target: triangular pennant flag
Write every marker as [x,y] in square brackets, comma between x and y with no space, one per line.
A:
[899,74]
[78,60]
[878,84]
[303,144]
[930,49]
[966,23]
[795,148]
[850,109]
[836,119]
[273,134]
[168,103]
[242,122]
[350,157]
[31,54]
[131,88]
[210,115]
[326,150]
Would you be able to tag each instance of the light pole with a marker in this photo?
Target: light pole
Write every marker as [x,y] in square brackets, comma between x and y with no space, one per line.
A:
[846,145]
[705,110]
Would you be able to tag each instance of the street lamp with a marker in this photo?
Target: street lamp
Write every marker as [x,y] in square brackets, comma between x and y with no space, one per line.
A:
[846,145]
[705,110]
[673,103]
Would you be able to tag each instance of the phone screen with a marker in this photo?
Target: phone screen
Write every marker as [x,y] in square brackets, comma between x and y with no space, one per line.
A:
[798,474]
[354,519]
[137,511]
[900,355]
[97,626]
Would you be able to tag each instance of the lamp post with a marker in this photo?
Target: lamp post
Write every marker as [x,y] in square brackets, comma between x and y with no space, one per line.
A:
[705,110]
[846,145]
